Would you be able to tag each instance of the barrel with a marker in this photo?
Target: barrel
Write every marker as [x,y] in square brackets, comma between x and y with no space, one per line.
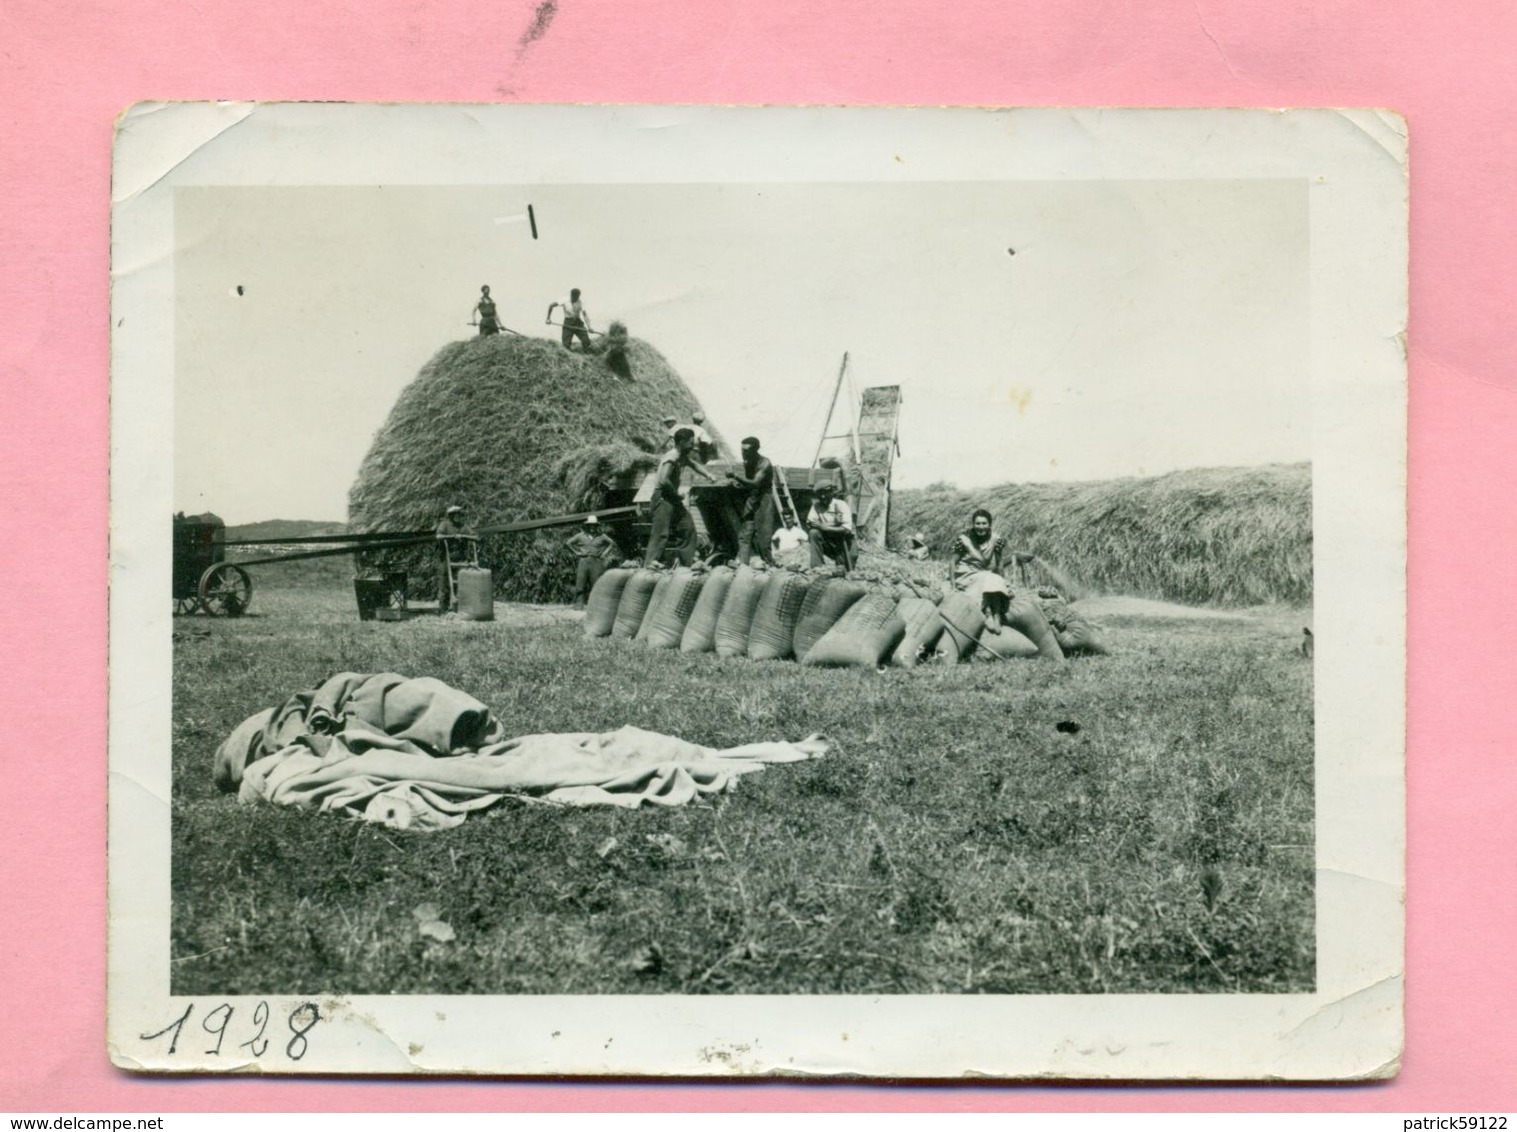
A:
[476,594]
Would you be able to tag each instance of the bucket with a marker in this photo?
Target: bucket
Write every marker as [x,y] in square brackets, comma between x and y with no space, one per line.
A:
[476,594]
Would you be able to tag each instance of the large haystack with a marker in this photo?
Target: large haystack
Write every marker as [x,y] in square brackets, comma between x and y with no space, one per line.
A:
[514,429]
[1223,536]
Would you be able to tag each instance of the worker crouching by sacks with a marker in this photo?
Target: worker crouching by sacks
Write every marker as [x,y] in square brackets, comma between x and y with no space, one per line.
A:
[593,551]
[829,526]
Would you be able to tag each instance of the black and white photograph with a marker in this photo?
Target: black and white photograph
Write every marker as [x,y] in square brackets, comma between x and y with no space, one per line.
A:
[771,591]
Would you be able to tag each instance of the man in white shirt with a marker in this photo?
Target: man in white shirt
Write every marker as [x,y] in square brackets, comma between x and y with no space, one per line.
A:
[705,450]
[576,321]
[829,524]
[673,530]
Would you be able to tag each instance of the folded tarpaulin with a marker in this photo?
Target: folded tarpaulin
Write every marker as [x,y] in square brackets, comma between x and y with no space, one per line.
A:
[386,755]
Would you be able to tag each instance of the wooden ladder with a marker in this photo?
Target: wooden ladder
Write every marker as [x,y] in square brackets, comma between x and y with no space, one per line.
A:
[783,499]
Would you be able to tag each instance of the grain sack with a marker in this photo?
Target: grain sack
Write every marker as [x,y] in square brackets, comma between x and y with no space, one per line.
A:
[669,616]
[827,599]
[963,624]
[924,625]
[772,636]
[636,595]
[863,637]
[1025,615]
[1008,644]
[736,620]
[605,596]
[655,603]
[700,630]
[1076,635]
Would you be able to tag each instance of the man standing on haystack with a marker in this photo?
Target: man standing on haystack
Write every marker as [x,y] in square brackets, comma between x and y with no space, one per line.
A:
[830,527]
[457,543]
[485,312]
[593,550]
[673,528]
[576,322]
[756,513]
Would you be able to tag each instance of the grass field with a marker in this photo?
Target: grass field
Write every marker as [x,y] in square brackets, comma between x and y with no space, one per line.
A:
[952,841]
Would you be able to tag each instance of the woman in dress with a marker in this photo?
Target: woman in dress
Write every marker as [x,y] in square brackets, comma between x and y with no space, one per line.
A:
[979,557]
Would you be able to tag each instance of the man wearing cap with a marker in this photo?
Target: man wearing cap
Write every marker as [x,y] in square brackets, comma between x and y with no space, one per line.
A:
[705,450]
[916,547]
[673,528]
[829,525]
[670,428]
[593,550]
[456,541]
[756,511]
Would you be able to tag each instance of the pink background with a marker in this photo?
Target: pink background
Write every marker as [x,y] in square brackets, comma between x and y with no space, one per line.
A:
[70,68]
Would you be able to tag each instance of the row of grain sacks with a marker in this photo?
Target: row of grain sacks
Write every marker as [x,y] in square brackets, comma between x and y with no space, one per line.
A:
[819,619]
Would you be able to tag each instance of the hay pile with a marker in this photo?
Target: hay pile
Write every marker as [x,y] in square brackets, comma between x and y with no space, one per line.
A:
[1205,536]
[514,429]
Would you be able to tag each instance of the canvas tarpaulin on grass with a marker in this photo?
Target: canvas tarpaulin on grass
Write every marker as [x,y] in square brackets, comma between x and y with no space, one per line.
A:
[383,749]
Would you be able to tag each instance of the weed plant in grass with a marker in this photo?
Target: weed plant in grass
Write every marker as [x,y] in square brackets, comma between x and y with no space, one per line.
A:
[953,841]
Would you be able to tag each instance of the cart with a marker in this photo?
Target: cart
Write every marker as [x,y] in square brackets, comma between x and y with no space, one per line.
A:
[204,582]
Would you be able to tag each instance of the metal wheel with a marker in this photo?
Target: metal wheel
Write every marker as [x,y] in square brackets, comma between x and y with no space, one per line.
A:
[186,605]
[226,590]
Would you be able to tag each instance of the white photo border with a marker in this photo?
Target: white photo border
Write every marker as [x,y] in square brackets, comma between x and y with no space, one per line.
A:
[1355,162]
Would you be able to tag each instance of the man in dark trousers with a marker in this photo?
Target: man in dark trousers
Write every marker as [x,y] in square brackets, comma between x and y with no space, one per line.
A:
[456,541]
[673,529]
[756,512]
[829,524]
[576,322]
[485,309]
[593,550]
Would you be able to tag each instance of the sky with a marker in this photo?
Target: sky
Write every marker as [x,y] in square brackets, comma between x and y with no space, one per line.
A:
[1039,330]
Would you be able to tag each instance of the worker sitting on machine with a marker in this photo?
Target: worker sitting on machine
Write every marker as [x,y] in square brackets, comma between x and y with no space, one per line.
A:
[457,545]
[830,528]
